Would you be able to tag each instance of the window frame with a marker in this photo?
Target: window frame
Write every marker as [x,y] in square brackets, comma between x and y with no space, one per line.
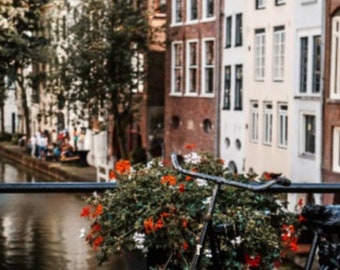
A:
[260,4]
[177,12]
[205,15]
[238,88]
[260,54]
[228,31]
[190,67]
[336,146]
[175,67]
[254,122]
[280,2]
[227,88]
[267,123]
[283,125]
[206,66]
[279,41]
[335,58]
[189,11]
[238,29]
[304,140]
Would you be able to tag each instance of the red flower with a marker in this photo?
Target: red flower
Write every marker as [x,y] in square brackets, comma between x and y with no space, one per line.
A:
[302,218]
[97,242]
[181,188]
[148,225]
[185,246]
[159,224]
[190,146]
[98,212]
[96,228]
[165,215]
[184,223]
[85,211]
[253,260]
[122,166]
[169,179]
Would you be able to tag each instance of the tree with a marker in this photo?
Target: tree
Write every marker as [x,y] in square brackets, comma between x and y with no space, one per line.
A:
[103,68]
[22,45]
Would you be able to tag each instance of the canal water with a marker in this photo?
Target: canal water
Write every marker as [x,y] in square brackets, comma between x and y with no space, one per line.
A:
[42,231]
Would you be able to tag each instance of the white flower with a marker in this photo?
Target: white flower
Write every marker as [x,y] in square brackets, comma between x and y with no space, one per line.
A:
[82,233]
[139,240]
[192,158]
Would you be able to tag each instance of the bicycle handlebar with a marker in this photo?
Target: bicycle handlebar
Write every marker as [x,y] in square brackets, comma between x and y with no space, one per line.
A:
[220,180]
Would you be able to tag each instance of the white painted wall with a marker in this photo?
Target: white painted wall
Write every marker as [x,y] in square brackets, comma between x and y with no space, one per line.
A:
[232,121]
[307,23]
[261,157]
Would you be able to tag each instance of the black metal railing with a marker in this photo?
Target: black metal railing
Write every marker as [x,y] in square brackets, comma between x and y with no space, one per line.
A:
[79,187]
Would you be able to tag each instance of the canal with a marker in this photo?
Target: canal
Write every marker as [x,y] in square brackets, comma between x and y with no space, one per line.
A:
[42,231]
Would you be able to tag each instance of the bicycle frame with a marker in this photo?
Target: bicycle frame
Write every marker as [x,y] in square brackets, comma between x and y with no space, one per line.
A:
[271,185]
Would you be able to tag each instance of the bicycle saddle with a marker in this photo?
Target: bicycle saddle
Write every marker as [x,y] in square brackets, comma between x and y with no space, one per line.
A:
[322,215]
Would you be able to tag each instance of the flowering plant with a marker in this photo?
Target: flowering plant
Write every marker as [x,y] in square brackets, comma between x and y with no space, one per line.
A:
[155,208]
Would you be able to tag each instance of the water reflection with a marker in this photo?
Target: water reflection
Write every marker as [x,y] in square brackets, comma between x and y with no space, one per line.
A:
[41,231]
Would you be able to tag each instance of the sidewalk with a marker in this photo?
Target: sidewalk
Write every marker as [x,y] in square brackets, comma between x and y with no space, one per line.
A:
[52,169]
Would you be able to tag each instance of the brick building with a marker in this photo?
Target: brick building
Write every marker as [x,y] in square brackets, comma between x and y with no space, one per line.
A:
[331,108]
[192,75]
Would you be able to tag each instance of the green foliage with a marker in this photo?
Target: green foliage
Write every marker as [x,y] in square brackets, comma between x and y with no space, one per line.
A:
[104,63]
[168,209]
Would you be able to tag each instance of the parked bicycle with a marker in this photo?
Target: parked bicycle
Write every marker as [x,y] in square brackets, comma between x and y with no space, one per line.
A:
[324,221]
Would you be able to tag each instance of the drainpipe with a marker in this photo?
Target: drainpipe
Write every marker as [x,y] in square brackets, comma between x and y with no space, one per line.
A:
[219,48]
[322,70]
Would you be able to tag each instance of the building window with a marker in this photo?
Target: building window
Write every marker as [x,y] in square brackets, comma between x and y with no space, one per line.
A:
[335,58]
[303,64]
[268,123]
[316,72]
[208,67]
[160,6]
[177,56]
[238,30]
[238,87]
[283,125]
[336,149]
[280,2]
[260,38]
[279,53]
[192,10]
[177,11]
[208,9]
[227,87]
[207,125]
[260,4]
[175,122]
[192,67]
[309,134]
[310,71]
[228,28]
[254,124]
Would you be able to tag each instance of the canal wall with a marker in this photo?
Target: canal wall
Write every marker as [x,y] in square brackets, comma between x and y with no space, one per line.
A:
[55,170]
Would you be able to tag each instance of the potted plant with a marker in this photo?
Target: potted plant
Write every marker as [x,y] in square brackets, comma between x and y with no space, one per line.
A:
[159,211]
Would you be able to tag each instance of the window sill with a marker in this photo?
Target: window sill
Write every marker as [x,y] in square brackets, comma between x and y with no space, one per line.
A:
[207,95]
[308,97]
[333,101]
[307,156]
[175,94]
[191,94]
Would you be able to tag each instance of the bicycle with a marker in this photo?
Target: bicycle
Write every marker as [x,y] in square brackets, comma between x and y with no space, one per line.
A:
[326,227]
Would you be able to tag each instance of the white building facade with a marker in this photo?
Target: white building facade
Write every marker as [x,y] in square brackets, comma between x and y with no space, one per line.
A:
[306,124]
[268,83]
[232,126]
